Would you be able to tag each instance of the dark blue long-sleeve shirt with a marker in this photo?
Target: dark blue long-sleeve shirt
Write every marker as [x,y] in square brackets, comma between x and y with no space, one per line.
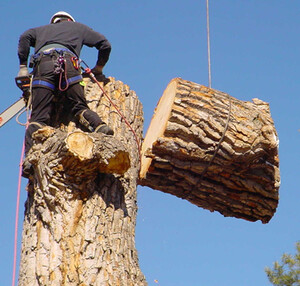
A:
[72,35]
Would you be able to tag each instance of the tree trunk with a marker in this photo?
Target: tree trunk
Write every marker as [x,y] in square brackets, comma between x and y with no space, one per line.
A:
[213,150]
[80,215]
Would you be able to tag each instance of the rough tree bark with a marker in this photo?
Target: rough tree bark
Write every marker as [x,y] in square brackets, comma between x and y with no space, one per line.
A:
[80,215]
[213,150]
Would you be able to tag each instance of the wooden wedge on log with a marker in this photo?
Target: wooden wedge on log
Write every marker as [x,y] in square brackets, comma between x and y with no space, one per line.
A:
[215,151]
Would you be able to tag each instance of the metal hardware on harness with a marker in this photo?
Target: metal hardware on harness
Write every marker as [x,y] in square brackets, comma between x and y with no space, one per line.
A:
[75,62]
[59,65]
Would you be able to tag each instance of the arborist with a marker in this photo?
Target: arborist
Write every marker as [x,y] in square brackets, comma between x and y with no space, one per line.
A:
[55,66]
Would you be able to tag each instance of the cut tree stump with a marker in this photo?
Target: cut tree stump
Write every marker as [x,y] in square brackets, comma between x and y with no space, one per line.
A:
[215,151]
[80,214]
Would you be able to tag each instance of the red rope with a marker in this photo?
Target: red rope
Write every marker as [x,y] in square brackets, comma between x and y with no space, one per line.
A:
[89,72]
[18,201]
[64,72]
[17,216]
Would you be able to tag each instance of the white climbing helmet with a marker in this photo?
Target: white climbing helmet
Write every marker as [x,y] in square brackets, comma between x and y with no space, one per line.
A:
[59,15]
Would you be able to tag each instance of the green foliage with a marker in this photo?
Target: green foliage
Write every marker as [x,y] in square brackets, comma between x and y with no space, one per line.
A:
[286,273]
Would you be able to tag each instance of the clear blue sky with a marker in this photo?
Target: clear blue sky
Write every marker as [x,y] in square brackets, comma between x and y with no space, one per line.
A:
[255,53]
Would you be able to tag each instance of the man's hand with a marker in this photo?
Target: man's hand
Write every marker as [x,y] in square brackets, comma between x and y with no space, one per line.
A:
[97,71]
[23,71]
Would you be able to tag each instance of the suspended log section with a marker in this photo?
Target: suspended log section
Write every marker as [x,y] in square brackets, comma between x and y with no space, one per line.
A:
[215,151]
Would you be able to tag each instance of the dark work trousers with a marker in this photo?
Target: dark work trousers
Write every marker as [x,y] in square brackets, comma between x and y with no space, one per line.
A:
[42,97]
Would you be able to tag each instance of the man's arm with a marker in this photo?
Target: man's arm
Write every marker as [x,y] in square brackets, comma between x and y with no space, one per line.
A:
[27,40]
[99,41]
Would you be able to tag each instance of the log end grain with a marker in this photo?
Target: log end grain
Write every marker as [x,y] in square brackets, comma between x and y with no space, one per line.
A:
[118,164]
[158,123]
[80,144]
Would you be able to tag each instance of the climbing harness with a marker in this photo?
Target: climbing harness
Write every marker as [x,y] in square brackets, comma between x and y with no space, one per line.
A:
[60,66]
